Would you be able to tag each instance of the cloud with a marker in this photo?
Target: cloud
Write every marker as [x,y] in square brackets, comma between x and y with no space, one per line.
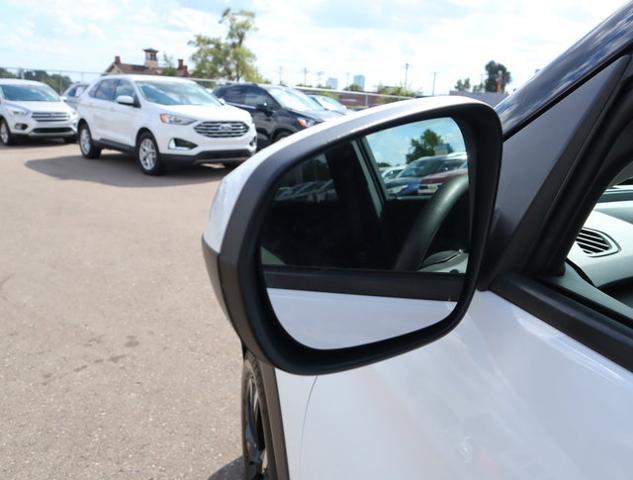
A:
[453,38]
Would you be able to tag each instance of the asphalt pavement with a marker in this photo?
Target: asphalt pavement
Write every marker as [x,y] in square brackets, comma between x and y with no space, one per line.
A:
[116,361]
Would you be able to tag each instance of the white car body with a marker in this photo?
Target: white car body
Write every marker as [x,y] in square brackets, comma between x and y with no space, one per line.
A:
[48,119]
[118,125]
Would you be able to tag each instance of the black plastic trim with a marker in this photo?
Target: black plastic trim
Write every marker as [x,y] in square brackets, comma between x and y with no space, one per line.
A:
[208,157]
[416,285]
[121,147]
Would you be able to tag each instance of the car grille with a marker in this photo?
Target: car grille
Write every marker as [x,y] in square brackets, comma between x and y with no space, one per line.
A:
[221,129]
[596,244]
[50,116]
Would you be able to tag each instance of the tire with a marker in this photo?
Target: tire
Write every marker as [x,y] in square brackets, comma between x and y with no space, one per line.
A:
[86,144]
[72,139]
[147,155]
[257,449]
[231,165]
[6,137]
[282,134]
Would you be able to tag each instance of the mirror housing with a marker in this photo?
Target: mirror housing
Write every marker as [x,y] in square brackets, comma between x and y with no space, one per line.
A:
[265,108]
[126,100]
[231,247]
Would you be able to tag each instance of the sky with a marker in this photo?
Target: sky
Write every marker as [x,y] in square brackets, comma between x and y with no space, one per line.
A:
[441,39]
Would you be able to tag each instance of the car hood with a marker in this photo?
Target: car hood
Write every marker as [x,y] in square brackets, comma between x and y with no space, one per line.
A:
[224,113]
[41,106]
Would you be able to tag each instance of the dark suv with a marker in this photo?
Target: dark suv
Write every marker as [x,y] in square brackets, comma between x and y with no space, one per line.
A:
[276,110]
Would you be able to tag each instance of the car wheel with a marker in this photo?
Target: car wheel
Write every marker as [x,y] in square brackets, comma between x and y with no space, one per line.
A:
[281,135]
[257,448]
[72,139]
[148,156]
[86,144]
[5,133]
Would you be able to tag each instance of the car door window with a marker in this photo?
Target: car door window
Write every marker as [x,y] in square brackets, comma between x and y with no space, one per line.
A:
[255,96]
[124,87]
[334,210]
[105,90]
[234,95]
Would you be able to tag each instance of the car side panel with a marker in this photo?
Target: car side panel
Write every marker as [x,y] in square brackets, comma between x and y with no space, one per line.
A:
[503,396]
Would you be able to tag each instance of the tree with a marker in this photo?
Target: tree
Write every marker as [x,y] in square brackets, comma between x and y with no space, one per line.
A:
[498,77]
[400,91]
[353,88]
[4,73]
[168,67]
[424,146]
[463,85]
[227,58]
[57,81]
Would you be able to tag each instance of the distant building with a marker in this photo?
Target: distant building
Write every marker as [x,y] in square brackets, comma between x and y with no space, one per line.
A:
[332,83]
[360,81]
[491,98]
[150,67]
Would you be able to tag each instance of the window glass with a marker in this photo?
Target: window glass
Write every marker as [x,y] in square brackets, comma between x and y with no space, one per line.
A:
[29,93]
[294,99]
[333,211]
[105,90]
[255,96]
[124,88]
[234,95]
[417,158]
[176,93]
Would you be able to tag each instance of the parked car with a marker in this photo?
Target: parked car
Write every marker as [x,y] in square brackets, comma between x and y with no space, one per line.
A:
[277,111]
[330,103]
[72,93]
[391,172]
[484,332]
[163,121]
[420,175]
[33,109]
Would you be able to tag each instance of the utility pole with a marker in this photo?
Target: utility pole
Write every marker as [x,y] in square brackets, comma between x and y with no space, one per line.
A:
[281,71]
[434,77]
[319,75]
[347,80]
[406,74]
[305,76]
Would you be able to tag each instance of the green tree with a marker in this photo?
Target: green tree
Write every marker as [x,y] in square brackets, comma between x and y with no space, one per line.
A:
[57,81]
[498,77]
[463,85]
[424,146]
[400,91]
[227,58]
[353,88]
[4,73]
[168,67]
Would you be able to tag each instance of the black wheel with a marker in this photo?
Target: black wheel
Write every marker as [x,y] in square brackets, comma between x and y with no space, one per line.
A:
[282,134]
[5,133]
[72,139]
[257,447]
[86,144]
[231,165]
[147,155]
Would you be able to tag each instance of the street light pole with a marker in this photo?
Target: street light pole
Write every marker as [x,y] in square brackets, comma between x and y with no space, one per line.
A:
[434,77]
[406,74]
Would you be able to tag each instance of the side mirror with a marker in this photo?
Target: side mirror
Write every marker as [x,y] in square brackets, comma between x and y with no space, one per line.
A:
[320,267]
[126,100]
[222,101]
[265,108]
[64,98]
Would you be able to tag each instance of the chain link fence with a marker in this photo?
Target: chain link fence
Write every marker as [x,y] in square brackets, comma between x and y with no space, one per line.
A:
[60,80]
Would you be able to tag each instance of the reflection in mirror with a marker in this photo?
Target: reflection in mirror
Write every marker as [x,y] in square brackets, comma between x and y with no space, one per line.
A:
[364,236]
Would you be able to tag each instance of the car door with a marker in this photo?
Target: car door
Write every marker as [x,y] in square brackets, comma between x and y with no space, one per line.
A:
[125,119]
[262,108]
[99,106]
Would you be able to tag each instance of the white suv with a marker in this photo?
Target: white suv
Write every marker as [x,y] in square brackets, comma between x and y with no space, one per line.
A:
[33,109]
[163,120]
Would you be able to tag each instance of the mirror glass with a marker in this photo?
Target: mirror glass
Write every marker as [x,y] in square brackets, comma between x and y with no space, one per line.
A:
[368,239]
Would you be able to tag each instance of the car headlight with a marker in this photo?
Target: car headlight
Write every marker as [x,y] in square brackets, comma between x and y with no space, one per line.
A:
[306,122]
[18,112]
[175,119]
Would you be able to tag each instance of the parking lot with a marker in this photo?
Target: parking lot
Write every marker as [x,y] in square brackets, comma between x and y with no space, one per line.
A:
[117,361]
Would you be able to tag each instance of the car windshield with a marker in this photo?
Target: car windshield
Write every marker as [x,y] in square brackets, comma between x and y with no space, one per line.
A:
[29,93]
[176,93]
[294,99]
